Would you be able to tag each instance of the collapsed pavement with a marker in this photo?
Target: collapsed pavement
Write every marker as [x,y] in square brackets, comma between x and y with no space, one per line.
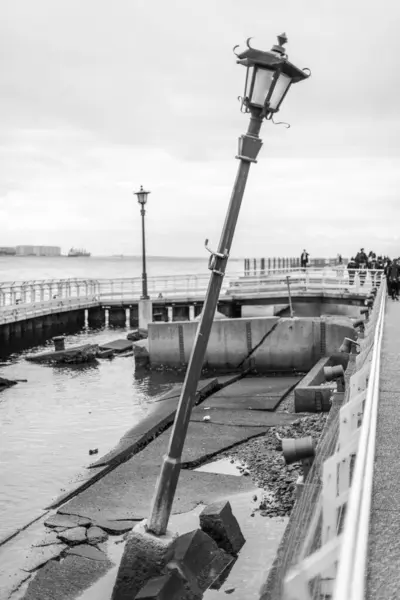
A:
[120,496]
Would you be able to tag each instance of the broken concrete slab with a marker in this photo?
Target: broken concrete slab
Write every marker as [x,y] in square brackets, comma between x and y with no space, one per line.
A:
[125,492]
[73,575]
[117,345]
[242,418]
[218,521]
[204,388]
[115,527]
[165,587]
[66,521]
[199,560]
[87,551]
[258,387]
[76,535]
[203,441]
[40,556]
[96,535]
[49,538]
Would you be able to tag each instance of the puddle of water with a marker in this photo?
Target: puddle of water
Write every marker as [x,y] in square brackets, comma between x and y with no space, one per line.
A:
[223,466]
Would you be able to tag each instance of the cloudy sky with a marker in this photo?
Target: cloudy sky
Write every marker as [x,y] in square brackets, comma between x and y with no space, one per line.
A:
[100,97]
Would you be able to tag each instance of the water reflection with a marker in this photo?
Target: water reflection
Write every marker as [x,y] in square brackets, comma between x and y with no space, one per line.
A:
[49,423]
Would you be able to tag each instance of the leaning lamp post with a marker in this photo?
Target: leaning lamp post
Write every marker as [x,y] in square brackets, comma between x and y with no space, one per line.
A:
[269,76]
[142,199]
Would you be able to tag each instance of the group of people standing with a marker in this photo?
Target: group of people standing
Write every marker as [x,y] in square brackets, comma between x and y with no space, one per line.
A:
[389,266]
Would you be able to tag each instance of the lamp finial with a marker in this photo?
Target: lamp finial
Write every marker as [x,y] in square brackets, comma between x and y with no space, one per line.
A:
[278,48]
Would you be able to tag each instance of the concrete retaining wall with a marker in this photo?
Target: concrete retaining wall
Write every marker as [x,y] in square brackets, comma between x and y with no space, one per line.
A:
[266,343]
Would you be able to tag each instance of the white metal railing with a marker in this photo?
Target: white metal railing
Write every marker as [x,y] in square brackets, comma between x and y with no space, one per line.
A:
[340,562]
[189,287]
[21,312]
[30,292]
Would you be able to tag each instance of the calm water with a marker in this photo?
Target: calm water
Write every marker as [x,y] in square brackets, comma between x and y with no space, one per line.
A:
[49,423]
[30,267]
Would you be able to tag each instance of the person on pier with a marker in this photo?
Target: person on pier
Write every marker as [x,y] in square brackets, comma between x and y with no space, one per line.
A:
[393,276]
[304,259]
[351,268]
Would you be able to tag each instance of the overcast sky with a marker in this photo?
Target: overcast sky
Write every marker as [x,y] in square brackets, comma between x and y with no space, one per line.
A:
[100,97]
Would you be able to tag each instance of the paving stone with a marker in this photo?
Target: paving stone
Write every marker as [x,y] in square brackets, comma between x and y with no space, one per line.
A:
[49,538]
[96,535]
[40,556]
[65,521]
[87,551]
[218,521]
[76,535]
[116,527]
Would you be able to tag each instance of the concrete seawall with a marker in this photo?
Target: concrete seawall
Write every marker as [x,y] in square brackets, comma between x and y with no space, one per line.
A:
[267,343]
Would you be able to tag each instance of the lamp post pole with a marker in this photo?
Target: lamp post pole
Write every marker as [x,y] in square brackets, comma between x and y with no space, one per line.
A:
[271,77]
[168,479]
[142,199]
[145,295]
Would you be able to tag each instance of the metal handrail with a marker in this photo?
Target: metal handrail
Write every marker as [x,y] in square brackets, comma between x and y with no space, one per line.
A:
[351,575]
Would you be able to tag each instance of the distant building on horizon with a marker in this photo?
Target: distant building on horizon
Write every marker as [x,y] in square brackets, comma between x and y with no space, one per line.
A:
[38,251]
[7,251]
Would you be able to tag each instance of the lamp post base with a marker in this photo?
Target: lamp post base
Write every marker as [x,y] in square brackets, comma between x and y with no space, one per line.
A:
[145,312]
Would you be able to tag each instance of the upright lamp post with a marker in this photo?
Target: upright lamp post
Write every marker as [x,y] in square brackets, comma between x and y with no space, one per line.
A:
[142,199]
[269,76]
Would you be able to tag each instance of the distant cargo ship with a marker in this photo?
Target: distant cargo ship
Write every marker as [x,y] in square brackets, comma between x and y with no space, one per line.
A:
[78,252]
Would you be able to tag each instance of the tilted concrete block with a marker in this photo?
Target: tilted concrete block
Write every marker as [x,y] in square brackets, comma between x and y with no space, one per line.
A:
[166,587]
[218,521]
[145,557]
[199,560]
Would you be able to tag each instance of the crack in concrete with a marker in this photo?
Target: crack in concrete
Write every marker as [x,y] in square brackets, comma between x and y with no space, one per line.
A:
[274,326]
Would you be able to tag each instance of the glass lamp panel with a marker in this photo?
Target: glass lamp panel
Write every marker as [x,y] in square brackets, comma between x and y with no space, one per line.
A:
[279,91]
[142,198]
[262,83]
[249,81]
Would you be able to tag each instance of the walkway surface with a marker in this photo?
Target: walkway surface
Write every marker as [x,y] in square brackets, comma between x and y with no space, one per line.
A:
[123,481]
[383,581]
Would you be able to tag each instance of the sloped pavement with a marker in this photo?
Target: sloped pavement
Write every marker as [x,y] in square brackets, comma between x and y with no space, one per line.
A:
[123,492]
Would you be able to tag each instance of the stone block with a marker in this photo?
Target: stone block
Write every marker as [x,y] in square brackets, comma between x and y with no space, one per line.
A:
[166,587]
[87,551]
[76,535]
[96,535]
[66,521]
[145,557]
[115,527]
[198,559]
[218,521]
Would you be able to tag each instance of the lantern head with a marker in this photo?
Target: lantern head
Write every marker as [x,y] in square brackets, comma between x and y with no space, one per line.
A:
[268,78]
[142,196]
